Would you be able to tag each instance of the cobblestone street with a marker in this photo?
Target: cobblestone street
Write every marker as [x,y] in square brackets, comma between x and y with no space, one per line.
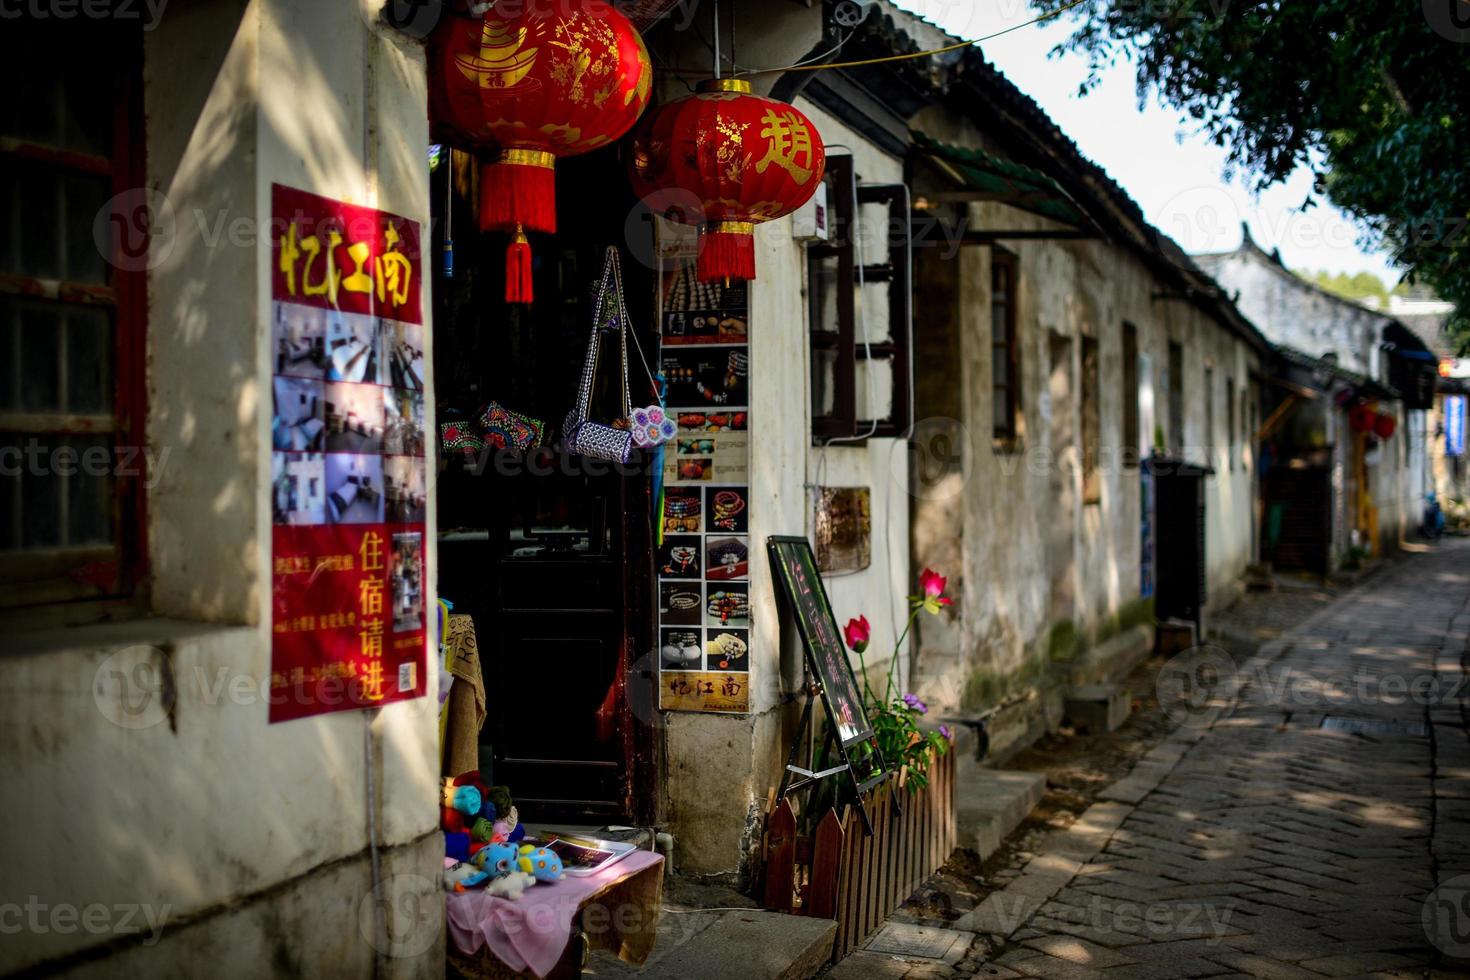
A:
[1297,834]
[1293,825]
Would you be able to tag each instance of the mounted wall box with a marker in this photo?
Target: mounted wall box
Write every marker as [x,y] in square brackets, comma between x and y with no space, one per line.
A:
[809,222]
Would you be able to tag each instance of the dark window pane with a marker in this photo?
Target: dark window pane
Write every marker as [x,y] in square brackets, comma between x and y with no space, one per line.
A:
[89,493]
[34,223]
[40,495]
[85,196]
[40,358]
[86,119]
[88,361]
[10,463]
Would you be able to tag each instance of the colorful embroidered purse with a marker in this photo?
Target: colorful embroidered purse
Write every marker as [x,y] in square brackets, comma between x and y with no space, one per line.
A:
[506,429]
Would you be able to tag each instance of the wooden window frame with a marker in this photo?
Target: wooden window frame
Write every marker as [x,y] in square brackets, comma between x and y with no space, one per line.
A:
[89,581]
[1006,431]
[843,423]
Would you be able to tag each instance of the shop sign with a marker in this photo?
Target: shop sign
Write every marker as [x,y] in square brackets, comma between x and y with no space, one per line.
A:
[348,478]
[1454,425]
[703,559]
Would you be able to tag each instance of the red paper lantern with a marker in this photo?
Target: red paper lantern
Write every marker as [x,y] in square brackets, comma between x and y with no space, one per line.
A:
[1360,417]
[535,81]
[746,158]
[1384,425]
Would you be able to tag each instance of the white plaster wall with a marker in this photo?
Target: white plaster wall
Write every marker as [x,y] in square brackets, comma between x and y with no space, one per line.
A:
[108,797]
[1011,508]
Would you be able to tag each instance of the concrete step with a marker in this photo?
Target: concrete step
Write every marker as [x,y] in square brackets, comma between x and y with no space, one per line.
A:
[1114,659]
[990,803]
[1097,708]
[750,945]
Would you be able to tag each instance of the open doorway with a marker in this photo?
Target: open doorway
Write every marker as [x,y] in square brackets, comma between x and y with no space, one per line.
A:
[549,553]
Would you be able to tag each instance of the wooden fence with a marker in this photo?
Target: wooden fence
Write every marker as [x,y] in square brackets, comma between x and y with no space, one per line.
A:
[840,873]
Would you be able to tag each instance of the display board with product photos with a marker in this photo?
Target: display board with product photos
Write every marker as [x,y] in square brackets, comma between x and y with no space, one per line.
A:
[703,560]
[348,476]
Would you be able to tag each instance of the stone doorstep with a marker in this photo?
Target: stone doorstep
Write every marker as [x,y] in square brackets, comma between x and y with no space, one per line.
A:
[750,945]
[1097,708]
[990,803]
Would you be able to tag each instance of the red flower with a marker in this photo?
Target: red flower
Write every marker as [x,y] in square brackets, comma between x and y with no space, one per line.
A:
[931,585]
[857,632]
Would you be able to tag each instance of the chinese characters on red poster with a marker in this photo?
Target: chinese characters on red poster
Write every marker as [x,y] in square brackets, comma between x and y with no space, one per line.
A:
[348,475]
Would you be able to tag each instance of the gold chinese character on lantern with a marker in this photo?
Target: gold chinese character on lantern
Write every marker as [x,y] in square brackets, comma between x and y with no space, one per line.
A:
[790,141]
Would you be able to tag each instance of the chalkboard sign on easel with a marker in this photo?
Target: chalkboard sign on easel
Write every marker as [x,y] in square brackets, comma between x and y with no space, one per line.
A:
[794,567]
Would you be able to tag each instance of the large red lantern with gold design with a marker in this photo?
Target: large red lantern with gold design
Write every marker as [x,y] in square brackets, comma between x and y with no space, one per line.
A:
[746,158]
[534,81]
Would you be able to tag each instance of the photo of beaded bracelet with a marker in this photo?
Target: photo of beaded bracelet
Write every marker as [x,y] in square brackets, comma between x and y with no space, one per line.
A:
[726,650]
[729,607]
[727,509]
[680,649]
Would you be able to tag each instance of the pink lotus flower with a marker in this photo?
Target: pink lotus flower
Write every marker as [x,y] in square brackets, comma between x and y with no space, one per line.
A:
[932,584]
[857,633]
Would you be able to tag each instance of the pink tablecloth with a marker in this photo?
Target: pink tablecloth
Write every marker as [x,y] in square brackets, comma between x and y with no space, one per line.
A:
[531,933]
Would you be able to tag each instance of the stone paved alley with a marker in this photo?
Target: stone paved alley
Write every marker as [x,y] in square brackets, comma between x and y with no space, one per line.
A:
[1292,826]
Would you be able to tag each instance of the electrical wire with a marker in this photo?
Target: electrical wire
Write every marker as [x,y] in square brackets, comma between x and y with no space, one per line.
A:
[740,72]
[808,66]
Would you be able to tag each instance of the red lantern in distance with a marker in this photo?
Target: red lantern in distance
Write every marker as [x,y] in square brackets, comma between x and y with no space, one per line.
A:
[746,158]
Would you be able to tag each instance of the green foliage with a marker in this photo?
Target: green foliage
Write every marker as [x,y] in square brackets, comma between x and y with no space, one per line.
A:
[1372,95]
[1358,288]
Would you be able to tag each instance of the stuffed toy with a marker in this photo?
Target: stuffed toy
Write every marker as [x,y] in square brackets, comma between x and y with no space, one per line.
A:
[496,859]
[541,864]
[457,845]
[482,830]
[461,876]
[467,801]
[512,886]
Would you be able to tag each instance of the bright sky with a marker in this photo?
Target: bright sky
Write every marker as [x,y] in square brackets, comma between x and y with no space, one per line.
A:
[1175,175]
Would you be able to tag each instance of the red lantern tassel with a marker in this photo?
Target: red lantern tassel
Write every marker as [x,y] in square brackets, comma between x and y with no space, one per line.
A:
[518,187]
[518,269]
[727,251]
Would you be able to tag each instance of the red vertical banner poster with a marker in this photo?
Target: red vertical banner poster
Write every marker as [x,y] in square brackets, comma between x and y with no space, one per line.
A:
[348,472]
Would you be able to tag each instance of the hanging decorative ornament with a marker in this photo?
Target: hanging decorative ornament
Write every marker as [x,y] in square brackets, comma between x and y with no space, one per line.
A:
[1384,425]
[532,82]
[744,157]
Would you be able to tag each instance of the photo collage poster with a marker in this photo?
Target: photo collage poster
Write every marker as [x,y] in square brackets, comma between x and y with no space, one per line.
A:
[348,476]
[703,562]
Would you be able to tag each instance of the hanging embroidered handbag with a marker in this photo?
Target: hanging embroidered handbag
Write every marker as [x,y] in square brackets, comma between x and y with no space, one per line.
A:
[506,429]
[584,436]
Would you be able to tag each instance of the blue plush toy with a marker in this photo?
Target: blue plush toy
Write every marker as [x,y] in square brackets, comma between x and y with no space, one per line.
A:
[498,860]
[539,863]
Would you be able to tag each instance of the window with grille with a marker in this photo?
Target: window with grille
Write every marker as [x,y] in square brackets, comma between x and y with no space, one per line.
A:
[1131,394]
[1005,359]
[70,319]
[1176,398]
[858,288]
[1230,423]
[1209,445]
[1091,423]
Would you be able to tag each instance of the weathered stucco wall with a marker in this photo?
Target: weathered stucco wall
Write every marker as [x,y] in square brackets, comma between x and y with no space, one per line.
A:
[139,753]
[1043,569]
